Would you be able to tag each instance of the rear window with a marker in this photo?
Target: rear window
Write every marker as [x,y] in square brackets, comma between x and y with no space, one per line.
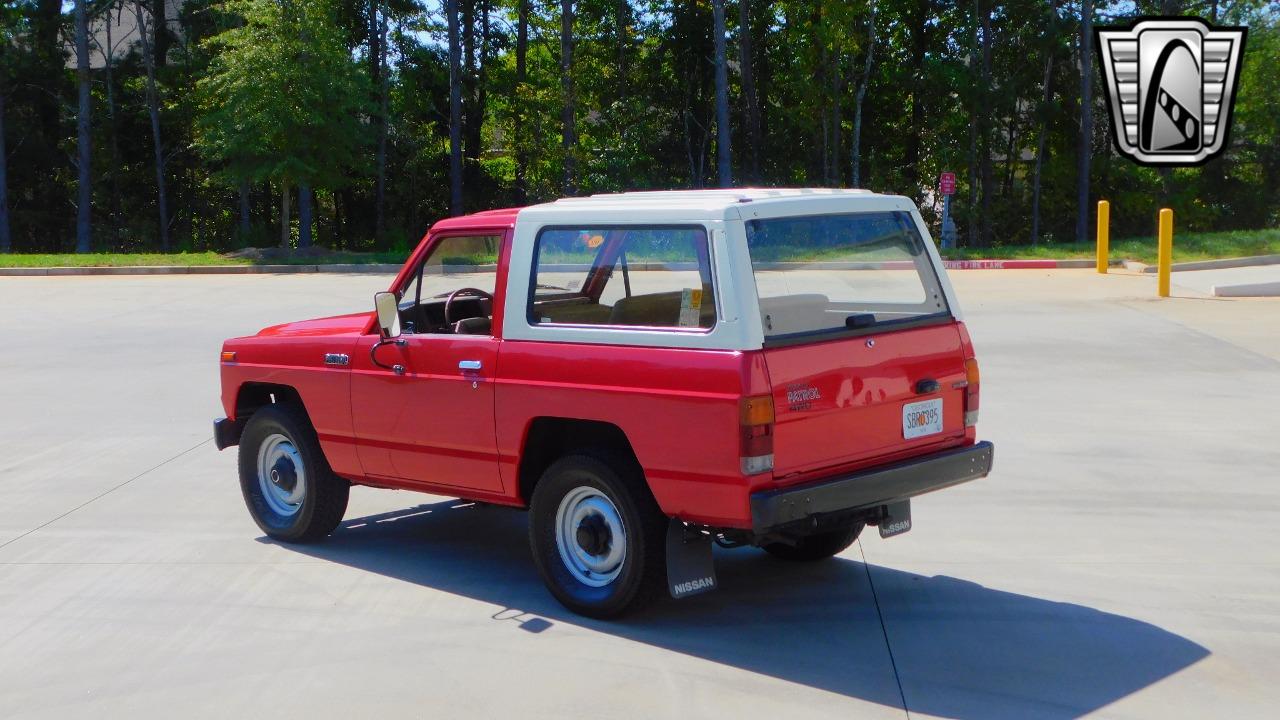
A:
[824,274]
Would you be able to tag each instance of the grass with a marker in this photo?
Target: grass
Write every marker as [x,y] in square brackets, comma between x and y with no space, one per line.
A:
[113,259]
[1186,247]
[188,259]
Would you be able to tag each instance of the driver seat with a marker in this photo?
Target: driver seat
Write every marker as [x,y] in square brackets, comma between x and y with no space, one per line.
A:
[473,326]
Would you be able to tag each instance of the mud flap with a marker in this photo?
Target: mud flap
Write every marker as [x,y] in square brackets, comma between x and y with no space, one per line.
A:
[897,519]
[690,567]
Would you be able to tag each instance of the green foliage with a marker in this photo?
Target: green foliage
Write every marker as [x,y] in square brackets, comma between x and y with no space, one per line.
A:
[283,97]
[1187,247]
[259,93]
[193,259]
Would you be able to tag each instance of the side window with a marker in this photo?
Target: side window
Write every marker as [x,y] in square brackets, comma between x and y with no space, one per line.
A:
[654,277]
[454,264]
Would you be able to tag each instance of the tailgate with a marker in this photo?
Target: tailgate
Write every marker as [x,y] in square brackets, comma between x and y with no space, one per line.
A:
[856,399]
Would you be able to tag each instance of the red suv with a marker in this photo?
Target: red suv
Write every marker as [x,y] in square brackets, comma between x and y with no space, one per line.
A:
[647,373]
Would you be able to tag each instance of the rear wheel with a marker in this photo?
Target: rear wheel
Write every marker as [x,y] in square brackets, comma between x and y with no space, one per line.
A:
[597,535]
[287,484]
[818,546]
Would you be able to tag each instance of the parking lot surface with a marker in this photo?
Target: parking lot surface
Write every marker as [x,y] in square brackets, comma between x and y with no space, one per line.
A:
[1121,560]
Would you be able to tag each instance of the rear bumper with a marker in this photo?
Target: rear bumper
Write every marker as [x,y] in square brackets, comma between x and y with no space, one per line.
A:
[226,432]
[868,489]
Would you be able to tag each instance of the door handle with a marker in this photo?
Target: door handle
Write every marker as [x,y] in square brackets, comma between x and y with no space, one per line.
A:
[469,365]
[926,386]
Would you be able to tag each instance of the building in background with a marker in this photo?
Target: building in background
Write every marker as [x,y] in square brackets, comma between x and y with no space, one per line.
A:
[114,32]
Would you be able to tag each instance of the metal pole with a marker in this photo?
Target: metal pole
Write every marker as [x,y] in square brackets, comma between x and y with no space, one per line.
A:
[1165,253]
[1104,235]
[948,225]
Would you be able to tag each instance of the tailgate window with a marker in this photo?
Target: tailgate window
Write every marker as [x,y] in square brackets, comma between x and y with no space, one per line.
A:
[824,275]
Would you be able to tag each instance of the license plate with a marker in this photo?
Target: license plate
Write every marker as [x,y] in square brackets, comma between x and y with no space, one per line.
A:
[922,418]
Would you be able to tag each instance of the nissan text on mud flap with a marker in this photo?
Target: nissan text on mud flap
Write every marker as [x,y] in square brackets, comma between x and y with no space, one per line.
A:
[649,374]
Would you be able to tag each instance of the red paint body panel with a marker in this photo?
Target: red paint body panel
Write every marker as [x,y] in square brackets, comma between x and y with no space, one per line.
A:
[320,327]
[839,403]
[678,409]
[293,355]
[431,427]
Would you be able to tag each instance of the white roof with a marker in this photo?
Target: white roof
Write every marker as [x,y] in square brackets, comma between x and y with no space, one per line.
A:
[706,204]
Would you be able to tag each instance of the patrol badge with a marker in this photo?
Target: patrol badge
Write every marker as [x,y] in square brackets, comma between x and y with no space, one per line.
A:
[1171,84]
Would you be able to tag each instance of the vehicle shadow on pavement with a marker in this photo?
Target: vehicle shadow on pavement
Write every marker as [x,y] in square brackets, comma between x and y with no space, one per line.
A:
[960,650]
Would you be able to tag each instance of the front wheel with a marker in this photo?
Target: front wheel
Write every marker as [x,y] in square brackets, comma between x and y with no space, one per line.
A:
[597,536]
[288,486]
[818,546]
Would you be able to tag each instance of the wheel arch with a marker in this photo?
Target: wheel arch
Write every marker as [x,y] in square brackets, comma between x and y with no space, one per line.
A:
[548,438]
[252,396]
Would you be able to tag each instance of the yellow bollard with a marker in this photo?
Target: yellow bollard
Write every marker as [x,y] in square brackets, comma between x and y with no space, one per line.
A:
[1164,254]
[1104,235]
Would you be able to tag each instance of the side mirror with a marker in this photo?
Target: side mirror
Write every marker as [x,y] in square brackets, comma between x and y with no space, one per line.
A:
[388,308]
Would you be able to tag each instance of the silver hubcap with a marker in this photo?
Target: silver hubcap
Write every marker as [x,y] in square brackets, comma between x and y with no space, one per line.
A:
[590,536]
[281,475]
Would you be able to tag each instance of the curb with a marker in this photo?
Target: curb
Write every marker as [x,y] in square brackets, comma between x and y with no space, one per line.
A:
[1018,264]
[385,268]
[1262,289]
[1251,261]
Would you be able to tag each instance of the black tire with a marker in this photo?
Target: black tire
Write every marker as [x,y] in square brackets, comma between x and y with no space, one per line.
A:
[642,573]
[325,498]
[819,546]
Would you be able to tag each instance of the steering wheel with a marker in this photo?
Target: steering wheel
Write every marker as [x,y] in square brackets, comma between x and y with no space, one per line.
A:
[461,292]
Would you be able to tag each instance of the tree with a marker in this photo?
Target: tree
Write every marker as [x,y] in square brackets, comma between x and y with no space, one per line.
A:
[83,141]
[6,237]
[984,126]
[750,101]
[292,48]
[723,163]
[1042,135]
[517,120]
[153,109]
[455,110]
[921,38]
[108,64]
[377,30]
[977,107]
[46,85]
[161,38]
[242,194]
[863,82]
[1085,151]
[11,27]
[568,114]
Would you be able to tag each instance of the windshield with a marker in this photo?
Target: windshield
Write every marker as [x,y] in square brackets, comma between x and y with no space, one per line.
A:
[830,273]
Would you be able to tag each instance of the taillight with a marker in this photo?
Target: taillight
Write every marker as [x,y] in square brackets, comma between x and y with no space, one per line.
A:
[756,434]
[971,377]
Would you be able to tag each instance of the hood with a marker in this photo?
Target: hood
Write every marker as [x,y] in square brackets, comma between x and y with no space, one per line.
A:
[336,325]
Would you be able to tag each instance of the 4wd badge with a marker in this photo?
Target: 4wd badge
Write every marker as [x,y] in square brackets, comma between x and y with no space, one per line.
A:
[1171,84]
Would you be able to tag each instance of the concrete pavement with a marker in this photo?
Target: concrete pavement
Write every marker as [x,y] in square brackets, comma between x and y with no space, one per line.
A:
[1119,562]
